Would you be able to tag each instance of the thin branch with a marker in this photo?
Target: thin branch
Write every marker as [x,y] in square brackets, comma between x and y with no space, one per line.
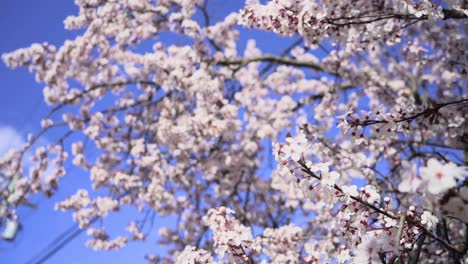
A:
[312,98]
[448,14]
[95,87]
[278,60]
[415,257]
[410,221]
[426,113]
[284,53]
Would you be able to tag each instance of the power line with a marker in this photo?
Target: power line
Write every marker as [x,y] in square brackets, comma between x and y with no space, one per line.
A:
[58,243]
[62,240]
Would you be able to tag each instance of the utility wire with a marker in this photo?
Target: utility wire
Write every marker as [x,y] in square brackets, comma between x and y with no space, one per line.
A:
[58,243]
[62,240]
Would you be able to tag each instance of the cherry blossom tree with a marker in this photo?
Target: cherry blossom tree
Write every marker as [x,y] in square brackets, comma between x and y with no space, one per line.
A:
[365,115]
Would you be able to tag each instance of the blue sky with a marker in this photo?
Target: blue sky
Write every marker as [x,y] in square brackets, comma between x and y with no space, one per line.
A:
[22,23]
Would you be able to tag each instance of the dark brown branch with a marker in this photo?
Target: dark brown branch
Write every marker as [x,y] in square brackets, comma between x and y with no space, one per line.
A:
[345,21]
[278,60]
[206,18]
[319,96]
[284,53]
[454,14]
[415,257]
[426,113]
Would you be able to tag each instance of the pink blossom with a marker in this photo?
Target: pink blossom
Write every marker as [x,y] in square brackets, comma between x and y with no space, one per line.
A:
[429,220]
[441,177]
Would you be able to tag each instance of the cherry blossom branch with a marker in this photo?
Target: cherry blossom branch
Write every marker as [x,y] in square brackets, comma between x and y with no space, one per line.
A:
[244,255]
[40,134]
[45,129]
[312,98]
[95,87]
[110,110]
[307,170]
[284,53]
[415,257]
[409,220]
[194,150]
[426,113]
[206,18]
[278,60]
[448,14]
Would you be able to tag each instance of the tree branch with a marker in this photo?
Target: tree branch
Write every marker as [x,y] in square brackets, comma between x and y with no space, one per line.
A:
[278,60]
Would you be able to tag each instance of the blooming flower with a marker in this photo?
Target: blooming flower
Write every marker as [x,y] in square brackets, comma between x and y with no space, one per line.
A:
[410,182]
[330,178]
[371,244]
[350,190]
[228,233]
[440,177]
[371,193]
[192,255]
[295,146]
[429,220]
[316,167]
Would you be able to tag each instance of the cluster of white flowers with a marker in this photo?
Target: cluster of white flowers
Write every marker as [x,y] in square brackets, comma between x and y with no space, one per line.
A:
[229,235]
[192,255]
[183,128]
[440,177]
[281,244]
[292,149]
[429,220]
[101,241]
[134,229]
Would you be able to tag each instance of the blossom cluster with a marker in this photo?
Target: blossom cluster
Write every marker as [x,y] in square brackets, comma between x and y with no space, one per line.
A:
[348,146]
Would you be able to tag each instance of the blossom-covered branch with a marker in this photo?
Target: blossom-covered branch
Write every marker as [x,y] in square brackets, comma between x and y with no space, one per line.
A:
[342,141]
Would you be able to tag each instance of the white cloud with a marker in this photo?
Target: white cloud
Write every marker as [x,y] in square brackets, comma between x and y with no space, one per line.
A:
[9,138]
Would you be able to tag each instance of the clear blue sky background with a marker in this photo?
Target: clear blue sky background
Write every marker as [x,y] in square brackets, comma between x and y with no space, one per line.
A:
[23,22]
